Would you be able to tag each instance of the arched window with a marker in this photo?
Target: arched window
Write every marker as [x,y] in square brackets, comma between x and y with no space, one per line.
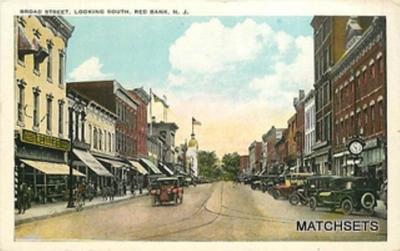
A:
[95,138]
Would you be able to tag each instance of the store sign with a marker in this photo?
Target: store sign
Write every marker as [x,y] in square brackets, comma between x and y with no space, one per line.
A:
[43,140]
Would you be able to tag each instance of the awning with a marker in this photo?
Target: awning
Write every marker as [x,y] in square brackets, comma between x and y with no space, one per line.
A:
[92,162]
[24,45]
[138,167]
[151,166]
[51,168]
[166,169]
[114,163]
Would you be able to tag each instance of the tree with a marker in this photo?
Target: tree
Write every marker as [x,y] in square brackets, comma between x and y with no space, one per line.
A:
[231,165]
[207,164]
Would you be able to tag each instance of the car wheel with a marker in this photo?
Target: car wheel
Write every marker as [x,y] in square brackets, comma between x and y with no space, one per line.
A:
[370,211]
[294,199]
[313,203]
[347,206]
[275,194]
[368,200]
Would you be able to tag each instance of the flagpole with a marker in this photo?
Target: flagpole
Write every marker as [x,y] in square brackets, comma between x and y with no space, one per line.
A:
[192,127]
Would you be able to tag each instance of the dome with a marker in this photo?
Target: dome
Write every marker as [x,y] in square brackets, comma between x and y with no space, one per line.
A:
[193,143]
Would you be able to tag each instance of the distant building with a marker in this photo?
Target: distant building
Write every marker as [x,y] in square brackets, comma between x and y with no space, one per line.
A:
[244,163]
[291,157]
[281,148]
[309,130]
[255,163]
[165,135]
[269,139]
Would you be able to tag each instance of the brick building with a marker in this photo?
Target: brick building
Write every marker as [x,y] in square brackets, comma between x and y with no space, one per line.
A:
[291,143]
[298,104]
[143,99]
[359,103]
[111,95]
[244,163]
[255,163]
[269,140]
[329,46]
[281,148]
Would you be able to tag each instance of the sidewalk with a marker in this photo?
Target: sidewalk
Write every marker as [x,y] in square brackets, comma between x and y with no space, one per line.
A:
[42,211]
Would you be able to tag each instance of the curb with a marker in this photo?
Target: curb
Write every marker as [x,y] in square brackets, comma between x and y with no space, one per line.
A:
[73,210]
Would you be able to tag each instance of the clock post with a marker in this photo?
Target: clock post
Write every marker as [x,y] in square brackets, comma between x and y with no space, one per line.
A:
[356,146]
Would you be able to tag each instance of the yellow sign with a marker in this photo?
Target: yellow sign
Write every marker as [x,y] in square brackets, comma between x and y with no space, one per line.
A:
[43,140]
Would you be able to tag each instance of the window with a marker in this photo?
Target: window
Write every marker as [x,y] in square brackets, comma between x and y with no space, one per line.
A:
[21,101]
[90,135]
[95,138]
[109,142]
[100,140]
[49,61]
[36,106]
[36,64]
[49,112]
[381,65]
[60,117]
[373,119]
[372,71]
[61,68]
[21,35]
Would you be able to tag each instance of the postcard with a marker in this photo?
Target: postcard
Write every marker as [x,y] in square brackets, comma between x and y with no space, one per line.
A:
[205,125]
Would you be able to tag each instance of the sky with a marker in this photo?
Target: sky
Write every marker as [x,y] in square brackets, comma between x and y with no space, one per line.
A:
[236,75]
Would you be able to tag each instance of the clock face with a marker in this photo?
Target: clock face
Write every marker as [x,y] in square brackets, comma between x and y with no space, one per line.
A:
[355,147]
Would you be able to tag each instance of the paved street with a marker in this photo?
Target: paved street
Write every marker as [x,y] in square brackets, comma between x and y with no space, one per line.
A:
[210,212]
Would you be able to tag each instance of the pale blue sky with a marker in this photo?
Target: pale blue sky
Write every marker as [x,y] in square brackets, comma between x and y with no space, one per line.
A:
[209,67]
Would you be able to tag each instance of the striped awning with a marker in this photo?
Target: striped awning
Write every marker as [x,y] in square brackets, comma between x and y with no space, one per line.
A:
[138,167]
[51,168]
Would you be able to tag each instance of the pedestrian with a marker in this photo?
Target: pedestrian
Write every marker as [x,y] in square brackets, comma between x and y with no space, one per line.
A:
[124,187]
[79,196]
[111,192]
[133,188]
[115,188]
[29,197]
[21,199]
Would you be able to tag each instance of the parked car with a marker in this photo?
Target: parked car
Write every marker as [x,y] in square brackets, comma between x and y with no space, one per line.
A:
[311,186]
[383,193]
[348,193]
[269,181]
[166,191]
[292,182]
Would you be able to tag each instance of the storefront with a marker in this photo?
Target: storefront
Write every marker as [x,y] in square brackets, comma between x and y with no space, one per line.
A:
[41,163]
[373,159]
[95,172]
[116,167]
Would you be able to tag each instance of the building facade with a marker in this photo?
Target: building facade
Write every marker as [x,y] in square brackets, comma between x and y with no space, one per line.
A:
[281,148]
[255,163]
[165,132]
[41,139]
[328,48]
[143,99]
[244,164]
[111,95]
[291,142]
[359,103]
[298,104]
[269,139]
[309,130]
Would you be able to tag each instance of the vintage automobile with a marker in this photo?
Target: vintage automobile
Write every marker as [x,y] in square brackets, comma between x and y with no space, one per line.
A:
[311,186]
[166,190]
[347,193]
[383,193]
[269,181]
[292,182]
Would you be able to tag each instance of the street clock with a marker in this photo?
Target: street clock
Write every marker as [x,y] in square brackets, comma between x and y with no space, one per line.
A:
[356,146]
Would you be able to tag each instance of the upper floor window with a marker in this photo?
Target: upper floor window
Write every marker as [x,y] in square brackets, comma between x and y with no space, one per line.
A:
[49,60]
[49,106]
[21,101]
[60,117]
[36,107]
[61,66]
[95,138]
